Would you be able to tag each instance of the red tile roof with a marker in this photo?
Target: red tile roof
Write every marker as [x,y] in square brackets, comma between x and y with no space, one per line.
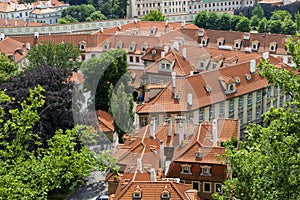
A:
[11,47]
[106,121]
[18,23]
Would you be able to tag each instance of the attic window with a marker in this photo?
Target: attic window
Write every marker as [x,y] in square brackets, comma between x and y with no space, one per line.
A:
[105,46]
[201,33]
[82,47]
[273,47]
[143,48]
[248,77]
[237,44]
[204,41]
[137,194]
[153,52]
[12,57]
[205,171]
[152,31]
[131,47]
[231,88]
[207,88]
[165,195]
[201,65]
[119,46]
[186,169]
[237,80]
[199,153]
[246,36]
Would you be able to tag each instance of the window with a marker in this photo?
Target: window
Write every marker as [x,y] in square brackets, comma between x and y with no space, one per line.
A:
[214,66]
[249,100]
[218,187]
[131,47]
[268,92]
[143,121]
[241,118]
[206,187]
[201,115]
[137,194]
[130,58]
[165,195]
[249,116]
[93,55]
[163,66]
[275,91]
[201,65]
[212,112]
[241,102]
[137,59]
[168,66]
[205,171]
[222,105]
[258,96]
[105,46]
[258,113]
[231,105]
[196,185]
[186,169]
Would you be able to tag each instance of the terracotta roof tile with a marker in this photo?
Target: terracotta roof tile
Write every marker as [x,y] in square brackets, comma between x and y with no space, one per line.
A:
[18,23]
[11,47]
[106,121]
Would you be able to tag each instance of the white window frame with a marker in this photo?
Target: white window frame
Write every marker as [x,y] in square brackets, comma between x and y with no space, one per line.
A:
[220,192]
[204,191]
[186,167]
[199,185]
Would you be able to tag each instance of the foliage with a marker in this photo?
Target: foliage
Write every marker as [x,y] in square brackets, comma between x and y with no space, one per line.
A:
[267,166]
[288,26]
[96,16]
[56,112]
[254,21]
[67,20]
[212,20]
[280,15]
[121,108]
[154,15]
[243,25]
[7,68]
[262,25]
[112,9]
[224,21]
[201,19]
[234,21]
[297,21]
[101,72]
[274,26]
[258,11]
[79,12]
[60,55]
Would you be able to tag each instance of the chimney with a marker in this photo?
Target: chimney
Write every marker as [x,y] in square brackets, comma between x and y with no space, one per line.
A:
[215,132]
[191,126]
[166,23]
[252,66]
[166,49]
[174,79]
[190,99]
[265,55]
[176,45]
[169,127]
[36,35]
[162,154]
[119,26]
[184,53]
[181,132]
[28,46]
[116,33]
[2,36]
[135,20]
[152,129]
[152,175]
[139,165]
[183,24]
[101,29]
[162,54]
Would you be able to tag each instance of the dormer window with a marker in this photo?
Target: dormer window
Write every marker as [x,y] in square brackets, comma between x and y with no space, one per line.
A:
[237,80]
[143,49]
[153,31]
[231,88]
[221,41]
[246,36]
[273,46]
[248,77]
[119,46]
[105,46]
[201,65]
[207,88]
[186,169]
[237,44]
[165,195]
[82,46]
[228,84]
[131,48]
[255,45]
[137,195]
[165,66]
[200,32]
[153,52]
[204,41]
[199,153]
[205,171]
[12,57]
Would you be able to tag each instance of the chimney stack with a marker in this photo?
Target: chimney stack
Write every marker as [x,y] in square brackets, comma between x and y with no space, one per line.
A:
[174,79]
[252,66]
[139,165]
[181,132]
[265,55]
[184,52]
[162,154]
[169,127]
[191,126]
[28,46]
[190,99]
[166,49]
[152,174]
[215,132]
[162,54]
[152,128]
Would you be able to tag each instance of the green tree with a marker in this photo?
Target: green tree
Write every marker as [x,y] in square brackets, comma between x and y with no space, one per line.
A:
[234,21]
[297,21]
[201,19]
[254,21]
[224,22]
[267,166]
[262,25]
[275,26]
[289,27]
[212,20]
[101,72]
[79,12]
[258,11]
[121,108]
[280,15]
[36,174]
[96,16]
[243,25]
[67,20]
[55,55]
[154,15]
[7,68]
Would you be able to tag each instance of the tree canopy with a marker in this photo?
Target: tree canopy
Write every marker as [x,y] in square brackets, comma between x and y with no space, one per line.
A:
[7,68]
[96,16]
[36,174]
[258,11]
[102,72]
[62,55]
[79,12]
[154,15]
[267,165]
